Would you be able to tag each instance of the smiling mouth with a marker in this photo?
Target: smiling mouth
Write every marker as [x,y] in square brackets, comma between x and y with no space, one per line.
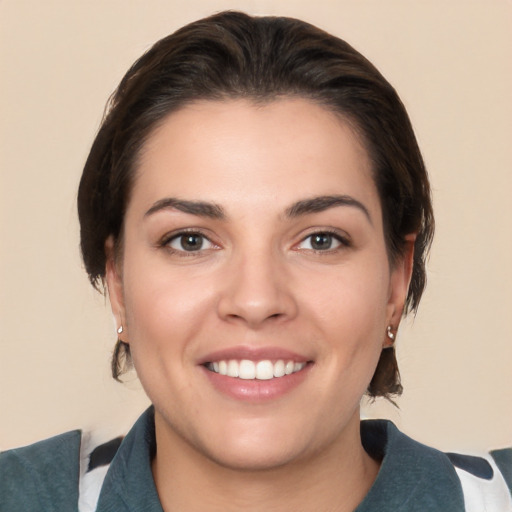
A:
[255,370]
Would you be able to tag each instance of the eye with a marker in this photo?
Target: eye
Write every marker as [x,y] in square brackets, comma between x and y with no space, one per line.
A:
[322,241]
[189,242]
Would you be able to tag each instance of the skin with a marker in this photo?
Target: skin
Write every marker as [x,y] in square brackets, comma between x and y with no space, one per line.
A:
[257,281]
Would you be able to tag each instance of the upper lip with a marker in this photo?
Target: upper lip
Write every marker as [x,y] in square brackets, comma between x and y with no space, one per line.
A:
[254,354]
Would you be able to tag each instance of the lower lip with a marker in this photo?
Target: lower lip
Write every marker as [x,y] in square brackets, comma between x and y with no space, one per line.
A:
[256,390]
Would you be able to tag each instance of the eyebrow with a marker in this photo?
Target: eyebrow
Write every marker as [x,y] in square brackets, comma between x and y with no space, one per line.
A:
[303,207]
[322,203]
[200,208]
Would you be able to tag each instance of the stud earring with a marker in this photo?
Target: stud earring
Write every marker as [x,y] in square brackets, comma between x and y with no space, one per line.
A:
[390,333]
[120,329]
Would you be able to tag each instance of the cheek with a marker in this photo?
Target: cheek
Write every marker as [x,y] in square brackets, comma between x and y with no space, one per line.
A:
[355,297]
[163,308]
[163,319]
[351,313]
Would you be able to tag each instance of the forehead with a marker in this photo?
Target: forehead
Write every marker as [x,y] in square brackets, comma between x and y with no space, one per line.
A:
[237,152]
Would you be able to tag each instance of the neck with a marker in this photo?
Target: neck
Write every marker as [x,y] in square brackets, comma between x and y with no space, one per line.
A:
[337,479]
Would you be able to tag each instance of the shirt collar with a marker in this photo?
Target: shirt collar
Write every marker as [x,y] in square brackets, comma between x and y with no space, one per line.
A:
[129,484]
[412,476]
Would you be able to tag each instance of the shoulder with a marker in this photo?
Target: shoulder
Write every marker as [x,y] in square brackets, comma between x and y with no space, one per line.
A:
[414,476]
[42,476]
[503,459]
[486,480]
[96,458]
[65,472]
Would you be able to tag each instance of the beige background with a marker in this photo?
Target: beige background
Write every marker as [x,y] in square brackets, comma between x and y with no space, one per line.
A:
[451,61]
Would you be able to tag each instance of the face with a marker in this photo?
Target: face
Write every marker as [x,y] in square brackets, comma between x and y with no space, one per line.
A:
[254,287]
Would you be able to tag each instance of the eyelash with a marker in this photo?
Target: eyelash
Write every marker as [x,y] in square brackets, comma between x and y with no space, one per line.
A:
[168,239]
[343,241]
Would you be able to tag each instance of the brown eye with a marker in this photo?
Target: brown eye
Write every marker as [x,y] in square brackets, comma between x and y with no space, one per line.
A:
[190,242]
[322,241]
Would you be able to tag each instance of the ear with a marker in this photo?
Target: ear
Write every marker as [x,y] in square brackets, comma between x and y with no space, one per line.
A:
[399,286]
[114,285]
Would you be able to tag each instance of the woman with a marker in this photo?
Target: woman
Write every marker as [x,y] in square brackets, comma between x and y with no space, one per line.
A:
[256,203]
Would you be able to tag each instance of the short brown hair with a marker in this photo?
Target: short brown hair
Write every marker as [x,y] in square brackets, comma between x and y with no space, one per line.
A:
[233,55]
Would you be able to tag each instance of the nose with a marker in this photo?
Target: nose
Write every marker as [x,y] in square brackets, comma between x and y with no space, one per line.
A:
[256,290]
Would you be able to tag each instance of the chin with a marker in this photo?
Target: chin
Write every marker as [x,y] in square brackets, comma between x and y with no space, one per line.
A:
[254,457]
[260,445]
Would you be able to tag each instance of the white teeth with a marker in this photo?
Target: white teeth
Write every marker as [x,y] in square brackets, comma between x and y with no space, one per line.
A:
[247,369]
[279,369]
[264,370]
[250,370]
[233,370]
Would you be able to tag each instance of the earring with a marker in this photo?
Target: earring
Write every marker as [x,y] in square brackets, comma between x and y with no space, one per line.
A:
[120,329]
[391,335]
